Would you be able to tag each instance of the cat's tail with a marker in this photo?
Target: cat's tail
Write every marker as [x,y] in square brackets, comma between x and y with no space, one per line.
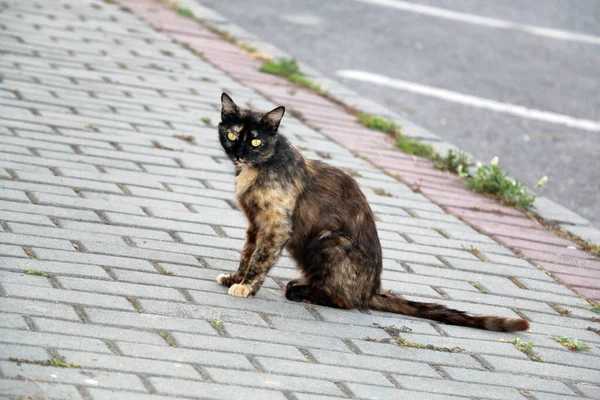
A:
[437,312]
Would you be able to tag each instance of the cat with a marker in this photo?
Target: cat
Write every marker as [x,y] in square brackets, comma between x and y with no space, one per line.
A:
[319,214]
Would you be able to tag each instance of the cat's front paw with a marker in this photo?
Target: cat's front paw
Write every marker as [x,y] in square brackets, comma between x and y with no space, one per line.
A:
[239,290]
[223,278]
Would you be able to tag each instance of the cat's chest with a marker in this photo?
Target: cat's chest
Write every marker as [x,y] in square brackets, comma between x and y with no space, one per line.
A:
[244,180]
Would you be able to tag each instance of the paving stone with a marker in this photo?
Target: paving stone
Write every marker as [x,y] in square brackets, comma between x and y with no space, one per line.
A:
[51,340]
[96,259]
[67,296]
[26,389]
[508,380]
[380,393]
[266,380]
[149,321]
[73,376]
[25,240]
[129,365]
[200,311]
[97,331]
[29,307]
[22,278]
[222,344]
[590,391]
[12,251]
[211,390]
[47,211]
[27,218]
[8,351]
[156,223]
[121,288]
[392,353]
[12,321]
[116,230]
[51,267]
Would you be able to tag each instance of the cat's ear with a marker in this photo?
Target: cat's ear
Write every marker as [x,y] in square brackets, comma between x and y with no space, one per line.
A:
[228,109]
[273,118]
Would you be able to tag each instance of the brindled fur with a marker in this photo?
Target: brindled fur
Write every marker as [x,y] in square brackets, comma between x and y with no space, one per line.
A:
[319,214]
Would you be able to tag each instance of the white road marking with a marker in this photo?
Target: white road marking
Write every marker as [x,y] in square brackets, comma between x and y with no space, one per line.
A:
[486,21]
[472,101]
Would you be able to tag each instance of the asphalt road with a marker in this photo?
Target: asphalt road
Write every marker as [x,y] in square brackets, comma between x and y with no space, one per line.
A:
[504,58]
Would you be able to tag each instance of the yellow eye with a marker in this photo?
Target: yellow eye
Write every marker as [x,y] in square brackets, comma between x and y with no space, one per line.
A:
[232,136]
[256,142]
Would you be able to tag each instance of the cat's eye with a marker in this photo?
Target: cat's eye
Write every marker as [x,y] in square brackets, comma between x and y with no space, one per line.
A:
[256,142]
[232,136]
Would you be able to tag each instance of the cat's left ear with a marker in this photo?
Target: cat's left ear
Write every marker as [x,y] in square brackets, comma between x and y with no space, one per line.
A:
[229,108]
[273,118]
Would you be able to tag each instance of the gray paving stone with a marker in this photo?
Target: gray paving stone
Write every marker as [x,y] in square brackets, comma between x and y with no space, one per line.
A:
[588,390]
[200,311]
[266,380]
[319,371]
[199,357]
[61,233]
[12,321]
[156,223]
[26,389]
[211,390]
[87,204]
[73,376]
[508,380]
[222,344]
[392,352]
[12,251]
[458,388]
[24,279]
[8,351]
[118,231]
[51,340]
[14,195]
[29,307]
[97,331]
[543,369]
[25,240]
[51,267]
[149,321]
[126,251]
[48,211]
[67,296]
[27,218]
[130,365]
[121,288]
[381,393]
[96,259]
[328,329]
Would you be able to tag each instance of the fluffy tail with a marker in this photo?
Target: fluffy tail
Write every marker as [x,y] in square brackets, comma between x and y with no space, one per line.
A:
[437,312]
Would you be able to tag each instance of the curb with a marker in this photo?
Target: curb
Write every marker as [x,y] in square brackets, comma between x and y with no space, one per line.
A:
[550,211]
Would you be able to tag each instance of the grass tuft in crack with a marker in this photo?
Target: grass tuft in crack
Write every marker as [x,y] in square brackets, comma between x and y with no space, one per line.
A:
[289,69]
[35,272]
[216,322]
[206,120]
[377,123]
[596,308]
[53,362]
[455,162]
[185,12]
[572,344]
[527,349]
[492,180]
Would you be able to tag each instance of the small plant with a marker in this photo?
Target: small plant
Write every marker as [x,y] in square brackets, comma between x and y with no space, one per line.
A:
[186,138]
[473,250]
[455,162]
[35,272]
[527,349]
[381,192]
[216,322]
[596,308]
[61,362]
[403,342]
[414,147]
[572,344]
[377,123]
[206,120]
[492,180]
[289,69]
[185,12]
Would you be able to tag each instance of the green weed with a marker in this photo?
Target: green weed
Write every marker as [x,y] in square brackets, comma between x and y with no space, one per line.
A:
[35,272]
[417,148]
[596,308]
[185,12]
[289,69]
[492,180]
[527,349]
[572,344]
[377,123]
[206,120]
[455,162]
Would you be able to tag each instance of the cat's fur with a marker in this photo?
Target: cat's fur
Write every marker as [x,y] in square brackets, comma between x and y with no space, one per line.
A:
[318,213]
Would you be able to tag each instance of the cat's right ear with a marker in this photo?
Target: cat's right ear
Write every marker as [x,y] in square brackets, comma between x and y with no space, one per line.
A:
[229,109]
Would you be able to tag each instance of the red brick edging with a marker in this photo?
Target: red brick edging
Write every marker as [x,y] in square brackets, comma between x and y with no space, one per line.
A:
[562,258]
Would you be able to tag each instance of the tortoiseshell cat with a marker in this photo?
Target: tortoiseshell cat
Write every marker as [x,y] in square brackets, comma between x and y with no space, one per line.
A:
[319,214]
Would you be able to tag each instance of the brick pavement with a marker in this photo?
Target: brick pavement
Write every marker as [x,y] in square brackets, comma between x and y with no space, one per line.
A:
[113,187]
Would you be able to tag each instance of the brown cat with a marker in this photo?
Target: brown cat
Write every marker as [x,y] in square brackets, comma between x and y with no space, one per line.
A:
[319,214]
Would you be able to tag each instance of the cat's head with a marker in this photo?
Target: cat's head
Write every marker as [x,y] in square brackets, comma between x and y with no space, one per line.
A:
[248,137]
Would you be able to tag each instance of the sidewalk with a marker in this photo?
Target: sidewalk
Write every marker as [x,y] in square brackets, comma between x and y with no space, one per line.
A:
[116,196]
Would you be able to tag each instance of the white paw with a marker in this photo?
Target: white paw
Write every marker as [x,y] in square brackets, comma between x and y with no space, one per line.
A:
[221,277]
[238,290]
